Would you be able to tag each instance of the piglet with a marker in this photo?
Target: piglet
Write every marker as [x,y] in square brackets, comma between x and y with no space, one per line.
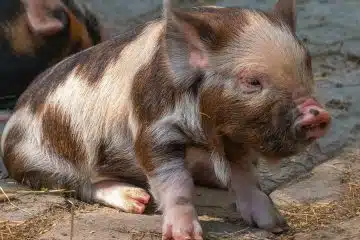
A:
[205,89]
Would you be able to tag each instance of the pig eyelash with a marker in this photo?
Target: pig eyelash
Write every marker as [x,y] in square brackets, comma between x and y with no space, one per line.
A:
[254,82]
[252,85]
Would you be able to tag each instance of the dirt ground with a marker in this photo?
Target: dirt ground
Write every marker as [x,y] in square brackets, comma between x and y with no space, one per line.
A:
[317,191]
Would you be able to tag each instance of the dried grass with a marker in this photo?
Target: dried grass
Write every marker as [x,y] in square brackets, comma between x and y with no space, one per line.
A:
[311,217]
[31,228]
[39,223]
[301,218]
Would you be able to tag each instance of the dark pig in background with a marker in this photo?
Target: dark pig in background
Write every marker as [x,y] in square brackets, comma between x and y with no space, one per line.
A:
[36,34]
[204,90]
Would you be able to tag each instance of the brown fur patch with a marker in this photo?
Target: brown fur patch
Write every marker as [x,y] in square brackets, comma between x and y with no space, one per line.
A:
[152,92]
[201,167]
[142,150]
[213,116]
[215,26]
[59,137]
[234,151]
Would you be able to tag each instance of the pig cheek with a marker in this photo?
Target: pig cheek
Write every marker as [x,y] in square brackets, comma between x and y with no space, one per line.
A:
[283,122]
[278,140]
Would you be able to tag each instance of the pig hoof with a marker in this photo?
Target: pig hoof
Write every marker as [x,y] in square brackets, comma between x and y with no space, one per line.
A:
[126,197]
[181,223]
[260,212]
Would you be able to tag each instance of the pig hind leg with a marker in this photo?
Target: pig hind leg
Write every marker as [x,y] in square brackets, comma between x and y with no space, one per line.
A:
[39,171]
[36,169]
[29,165]
[123,196]
[29,162]
[32,164]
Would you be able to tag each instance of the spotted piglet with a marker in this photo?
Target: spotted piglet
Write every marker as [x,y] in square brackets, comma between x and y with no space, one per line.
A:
[203,90]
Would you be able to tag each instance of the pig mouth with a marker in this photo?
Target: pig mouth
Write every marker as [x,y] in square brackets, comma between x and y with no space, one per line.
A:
[307,131]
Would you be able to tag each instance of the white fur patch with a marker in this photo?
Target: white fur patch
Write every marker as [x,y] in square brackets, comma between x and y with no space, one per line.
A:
[221,167]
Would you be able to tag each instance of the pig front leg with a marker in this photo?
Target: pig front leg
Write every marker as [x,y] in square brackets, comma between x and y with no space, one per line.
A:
[256,208]
[161,152]
[175,194]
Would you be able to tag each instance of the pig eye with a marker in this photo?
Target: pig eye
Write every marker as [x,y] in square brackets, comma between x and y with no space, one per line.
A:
[255,83]
[251,84]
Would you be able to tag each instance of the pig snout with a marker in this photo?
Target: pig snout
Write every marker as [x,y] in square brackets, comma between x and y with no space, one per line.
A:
[313,121]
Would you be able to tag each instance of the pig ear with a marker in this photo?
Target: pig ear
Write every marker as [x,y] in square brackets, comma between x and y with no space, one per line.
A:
[41,16]
[196,33]
[287,9]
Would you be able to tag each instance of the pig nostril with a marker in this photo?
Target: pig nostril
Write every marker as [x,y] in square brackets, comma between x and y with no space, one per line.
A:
[314,112]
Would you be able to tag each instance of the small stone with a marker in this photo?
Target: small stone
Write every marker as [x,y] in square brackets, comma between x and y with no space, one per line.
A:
[339,85]
[323,185]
